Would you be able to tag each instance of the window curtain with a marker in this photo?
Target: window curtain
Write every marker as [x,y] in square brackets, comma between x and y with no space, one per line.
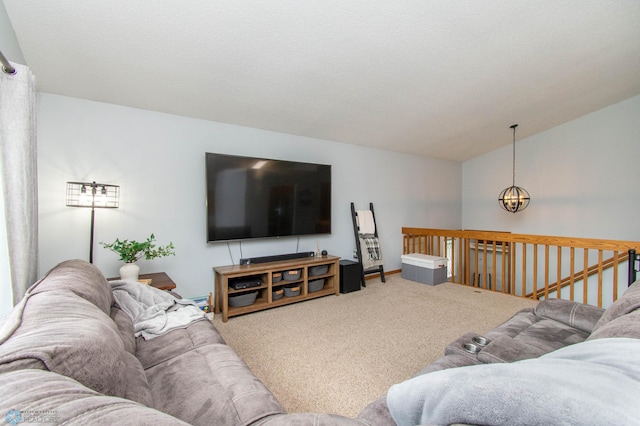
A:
[18,177]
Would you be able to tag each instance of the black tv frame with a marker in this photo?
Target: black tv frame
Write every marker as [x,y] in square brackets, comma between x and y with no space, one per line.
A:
[252,198]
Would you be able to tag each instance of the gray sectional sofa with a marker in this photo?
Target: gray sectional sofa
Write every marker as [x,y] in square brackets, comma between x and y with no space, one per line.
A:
[69,355]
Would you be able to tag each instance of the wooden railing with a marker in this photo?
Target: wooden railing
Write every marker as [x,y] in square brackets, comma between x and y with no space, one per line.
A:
[534,266]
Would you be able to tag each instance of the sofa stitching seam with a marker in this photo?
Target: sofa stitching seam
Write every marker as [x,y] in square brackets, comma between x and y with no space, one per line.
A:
[572,315]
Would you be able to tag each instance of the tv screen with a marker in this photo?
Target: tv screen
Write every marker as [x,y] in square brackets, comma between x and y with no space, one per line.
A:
[263,198]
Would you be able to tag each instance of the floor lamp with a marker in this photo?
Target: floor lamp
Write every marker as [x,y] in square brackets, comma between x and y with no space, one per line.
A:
[92,195]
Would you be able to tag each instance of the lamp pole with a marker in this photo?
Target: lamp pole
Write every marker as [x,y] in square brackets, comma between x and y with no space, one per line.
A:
[93,219]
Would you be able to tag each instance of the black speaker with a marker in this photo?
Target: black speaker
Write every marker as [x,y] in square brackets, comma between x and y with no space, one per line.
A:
[350,276]
[276,258]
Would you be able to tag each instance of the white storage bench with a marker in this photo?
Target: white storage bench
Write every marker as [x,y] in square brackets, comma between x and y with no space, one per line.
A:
[424,269]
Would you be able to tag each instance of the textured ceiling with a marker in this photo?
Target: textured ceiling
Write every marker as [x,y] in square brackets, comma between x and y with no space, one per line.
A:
[444,79]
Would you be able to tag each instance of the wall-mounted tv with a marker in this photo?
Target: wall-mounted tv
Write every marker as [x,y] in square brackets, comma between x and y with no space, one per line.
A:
[251,197]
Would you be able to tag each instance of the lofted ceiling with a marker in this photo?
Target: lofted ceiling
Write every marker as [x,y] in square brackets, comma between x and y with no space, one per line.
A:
[443,79]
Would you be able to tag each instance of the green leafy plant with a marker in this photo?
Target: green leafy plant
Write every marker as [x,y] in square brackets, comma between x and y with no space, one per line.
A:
[131,251]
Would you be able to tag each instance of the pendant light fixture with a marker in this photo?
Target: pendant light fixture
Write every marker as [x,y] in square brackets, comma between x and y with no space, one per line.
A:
[514,199]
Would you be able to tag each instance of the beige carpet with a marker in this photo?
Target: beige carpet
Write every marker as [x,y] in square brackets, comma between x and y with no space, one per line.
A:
[337,354]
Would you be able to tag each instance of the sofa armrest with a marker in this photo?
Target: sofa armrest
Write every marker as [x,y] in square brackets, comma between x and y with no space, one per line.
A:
[574,314]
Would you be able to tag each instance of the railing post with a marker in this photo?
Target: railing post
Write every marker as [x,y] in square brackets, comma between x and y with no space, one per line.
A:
[632,266]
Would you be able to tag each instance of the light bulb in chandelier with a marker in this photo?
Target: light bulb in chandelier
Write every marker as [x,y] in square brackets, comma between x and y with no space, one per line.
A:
[514,199]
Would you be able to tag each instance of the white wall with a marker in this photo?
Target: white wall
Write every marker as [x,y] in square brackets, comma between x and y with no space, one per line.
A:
[583,178]
[158,161]
[8,42]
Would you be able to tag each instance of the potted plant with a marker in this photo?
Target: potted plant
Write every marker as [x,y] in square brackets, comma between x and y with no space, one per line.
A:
[131,251]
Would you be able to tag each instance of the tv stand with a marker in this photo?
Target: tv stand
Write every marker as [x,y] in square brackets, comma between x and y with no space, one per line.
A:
[268,273]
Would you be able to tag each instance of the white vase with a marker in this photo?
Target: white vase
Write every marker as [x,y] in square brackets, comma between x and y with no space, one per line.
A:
[129,272]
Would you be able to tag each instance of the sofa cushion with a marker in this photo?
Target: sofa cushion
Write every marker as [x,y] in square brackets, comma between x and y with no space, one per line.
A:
[593,382]
[527,334]
[629,302]
[80,277]
[176,342]
[521,320]
[68,335]
[210,385]
[549,335]
[65,401]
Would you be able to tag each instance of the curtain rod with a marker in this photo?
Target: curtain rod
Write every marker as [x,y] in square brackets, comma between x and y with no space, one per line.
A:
[6,66]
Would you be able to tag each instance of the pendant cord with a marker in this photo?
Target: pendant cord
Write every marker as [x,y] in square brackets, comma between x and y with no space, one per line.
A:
[514,154]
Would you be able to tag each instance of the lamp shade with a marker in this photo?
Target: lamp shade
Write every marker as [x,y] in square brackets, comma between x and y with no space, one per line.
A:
[91,194]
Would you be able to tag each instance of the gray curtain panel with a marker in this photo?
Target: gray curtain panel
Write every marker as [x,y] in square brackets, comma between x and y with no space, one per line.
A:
[18,175]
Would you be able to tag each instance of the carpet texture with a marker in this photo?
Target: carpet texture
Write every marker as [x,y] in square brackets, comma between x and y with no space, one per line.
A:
[337,354]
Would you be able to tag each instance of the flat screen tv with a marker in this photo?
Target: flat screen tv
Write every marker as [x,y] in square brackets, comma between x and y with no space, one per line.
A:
[251,197]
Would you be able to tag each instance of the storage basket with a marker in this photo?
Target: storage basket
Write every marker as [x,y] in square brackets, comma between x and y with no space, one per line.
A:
[291,275]
[291,291]
[425,269]
[243,299]
[276,277]
[318,270]
[316,285]
[277,294]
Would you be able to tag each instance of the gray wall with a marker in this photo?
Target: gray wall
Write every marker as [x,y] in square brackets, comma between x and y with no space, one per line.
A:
[582,176]
[8,43]
[158,161]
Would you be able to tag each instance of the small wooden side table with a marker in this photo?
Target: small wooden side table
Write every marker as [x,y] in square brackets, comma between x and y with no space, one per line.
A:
[159,280]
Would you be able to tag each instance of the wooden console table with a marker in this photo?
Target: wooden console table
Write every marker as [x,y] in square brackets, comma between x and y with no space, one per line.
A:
[265,272]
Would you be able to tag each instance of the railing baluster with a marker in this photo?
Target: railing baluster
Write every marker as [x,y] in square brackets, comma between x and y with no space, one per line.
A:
[524,270]
[615,275]
[546,272]
[513,269]
[572,270]
[461,261]
[585,277]
[600,278]
[503,267]
[559,273]
[535,271]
